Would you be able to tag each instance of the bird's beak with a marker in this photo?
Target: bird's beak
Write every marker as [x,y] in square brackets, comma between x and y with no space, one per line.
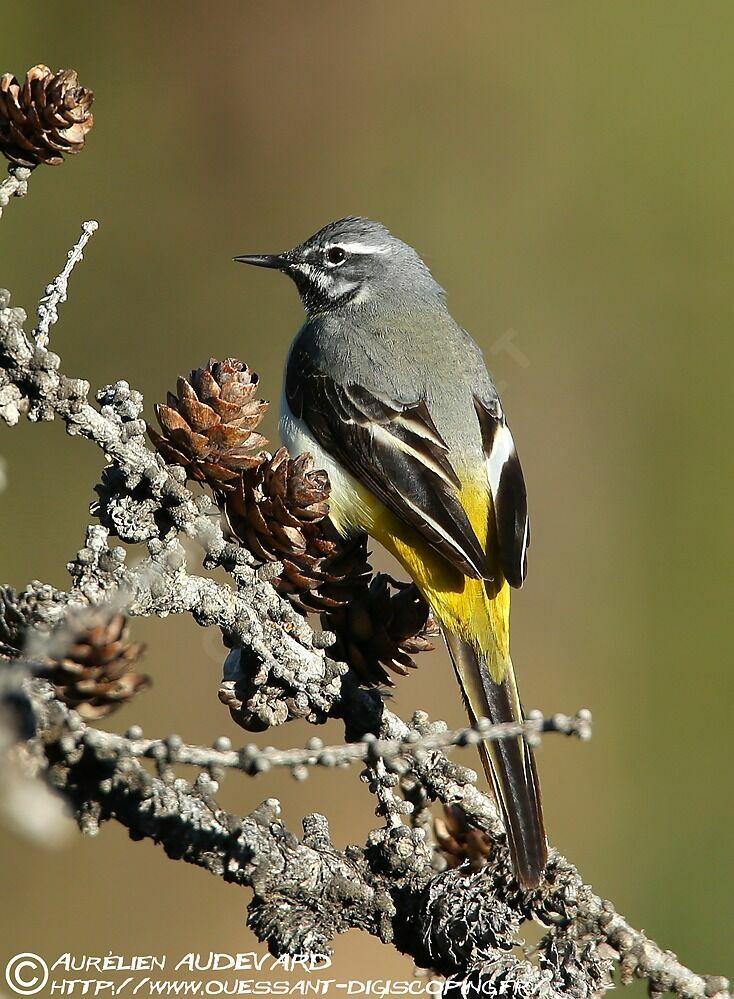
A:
[276,261]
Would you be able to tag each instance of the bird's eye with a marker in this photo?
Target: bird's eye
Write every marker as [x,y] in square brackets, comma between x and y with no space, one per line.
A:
[335,255]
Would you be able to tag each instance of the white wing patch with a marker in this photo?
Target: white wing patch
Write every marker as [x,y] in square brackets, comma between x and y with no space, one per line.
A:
[503,451]
[507,487]
[503,448]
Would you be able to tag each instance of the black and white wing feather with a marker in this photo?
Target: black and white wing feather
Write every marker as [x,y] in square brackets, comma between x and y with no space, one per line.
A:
[507,486]
[393,448]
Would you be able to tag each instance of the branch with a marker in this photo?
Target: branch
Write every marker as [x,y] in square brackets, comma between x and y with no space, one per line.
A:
[15,185]
[304,891]
[56,291]
[398,755]
[143,499]
[307,891]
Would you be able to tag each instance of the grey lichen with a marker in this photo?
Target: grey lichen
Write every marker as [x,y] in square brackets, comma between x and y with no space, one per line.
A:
[305,891]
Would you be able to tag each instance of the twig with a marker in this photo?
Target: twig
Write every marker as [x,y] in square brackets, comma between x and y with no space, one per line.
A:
[304,892]
[15,185]
[56,292]
[308,891]
[251,759]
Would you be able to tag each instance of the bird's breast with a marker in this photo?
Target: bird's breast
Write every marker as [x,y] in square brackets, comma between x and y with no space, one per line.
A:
[351,507]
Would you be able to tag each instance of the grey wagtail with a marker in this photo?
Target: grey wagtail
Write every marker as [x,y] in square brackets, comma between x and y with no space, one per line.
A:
[393,399]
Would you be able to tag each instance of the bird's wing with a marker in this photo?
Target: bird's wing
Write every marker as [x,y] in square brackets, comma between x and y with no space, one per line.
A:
[507,486]
[393,449]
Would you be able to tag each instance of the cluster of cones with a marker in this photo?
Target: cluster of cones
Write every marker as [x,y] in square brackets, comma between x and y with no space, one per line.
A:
[44,118]
[277,507]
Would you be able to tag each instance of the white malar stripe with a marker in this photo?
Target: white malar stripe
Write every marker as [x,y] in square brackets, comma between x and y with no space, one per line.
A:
[348,512]
[503,447]
[314,274]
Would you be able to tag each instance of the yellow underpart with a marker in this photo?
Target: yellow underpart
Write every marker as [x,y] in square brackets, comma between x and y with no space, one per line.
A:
[461,605]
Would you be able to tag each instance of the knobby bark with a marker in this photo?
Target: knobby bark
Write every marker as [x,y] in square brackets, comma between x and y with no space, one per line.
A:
[304,891]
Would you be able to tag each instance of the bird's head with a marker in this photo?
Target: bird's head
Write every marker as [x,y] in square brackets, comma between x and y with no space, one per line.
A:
[350,263]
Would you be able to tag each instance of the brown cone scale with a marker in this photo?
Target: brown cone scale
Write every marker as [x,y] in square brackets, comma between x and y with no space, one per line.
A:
[277,507]
[98,673]
[278,511]
[460,843]
[45,118]
[382,625]
[208,426]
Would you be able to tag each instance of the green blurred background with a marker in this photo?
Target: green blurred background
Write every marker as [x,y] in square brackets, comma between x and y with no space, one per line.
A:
[566,170]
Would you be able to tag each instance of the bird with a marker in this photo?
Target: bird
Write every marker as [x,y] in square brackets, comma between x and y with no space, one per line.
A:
[392,398]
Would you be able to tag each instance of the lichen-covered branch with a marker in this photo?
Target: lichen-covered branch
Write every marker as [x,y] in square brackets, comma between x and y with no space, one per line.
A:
[141,499]
[15,185]
[304,890]
[55,294]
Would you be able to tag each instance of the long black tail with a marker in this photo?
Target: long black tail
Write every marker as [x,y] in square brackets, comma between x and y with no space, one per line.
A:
[508,763]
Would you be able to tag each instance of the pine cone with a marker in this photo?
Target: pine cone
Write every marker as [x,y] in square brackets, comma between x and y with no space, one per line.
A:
[277,507]
[209,426]
[45,118]
[459,842]
[380,623]
[97,674]
[278,511]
